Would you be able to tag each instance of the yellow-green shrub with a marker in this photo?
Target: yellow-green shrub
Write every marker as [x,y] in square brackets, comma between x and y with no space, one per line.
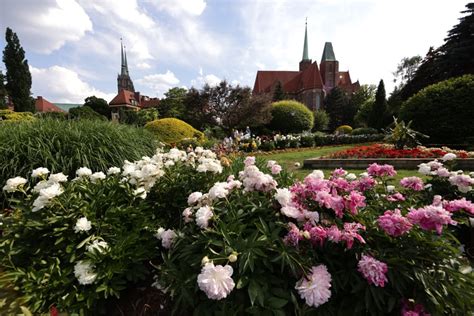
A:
[9,115]
[172,131]
[344,129]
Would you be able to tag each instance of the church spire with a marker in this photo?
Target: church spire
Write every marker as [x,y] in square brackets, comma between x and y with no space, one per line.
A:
[125,55]
[305,47]
[123,80]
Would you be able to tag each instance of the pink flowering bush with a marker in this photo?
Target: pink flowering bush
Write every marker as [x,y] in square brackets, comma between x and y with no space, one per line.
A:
[184,231]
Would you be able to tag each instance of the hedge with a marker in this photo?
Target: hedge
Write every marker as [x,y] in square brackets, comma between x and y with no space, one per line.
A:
[172,131]
[290,116]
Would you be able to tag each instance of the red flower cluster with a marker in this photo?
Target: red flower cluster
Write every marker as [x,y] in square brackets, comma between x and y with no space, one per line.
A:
[384,151]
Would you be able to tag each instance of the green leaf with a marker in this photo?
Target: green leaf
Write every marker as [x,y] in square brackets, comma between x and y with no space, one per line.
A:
[25,311]
[253,291]
[276,302]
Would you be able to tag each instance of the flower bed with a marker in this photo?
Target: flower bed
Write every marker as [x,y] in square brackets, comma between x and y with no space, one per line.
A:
[389,151]
[238,238]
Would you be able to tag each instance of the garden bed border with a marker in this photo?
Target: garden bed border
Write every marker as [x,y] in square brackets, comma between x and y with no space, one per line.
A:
[363,163]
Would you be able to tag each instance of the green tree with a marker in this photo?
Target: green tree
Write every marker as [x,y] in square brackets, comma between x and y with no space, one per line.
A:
[279,94]
[406,70]
[99,105]
[321,120]
[172,105]
[3,91]
[335,105]
[377,116]
[358,98]
[18,73]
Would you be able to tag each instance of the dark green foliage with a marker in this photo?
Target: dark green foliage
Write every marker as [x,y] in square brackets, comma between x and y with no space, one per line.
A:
[406,69]
[290,116]
[18,73]
[138,118]
[321,120]
[3,91]
[379,109]
[279,94]
[335,105]
[65,146]
[52,115]
[454,58]
[443,111]
[172,105]
[99,105]
[401,135]
[358,99]
[364,131]
[85,113]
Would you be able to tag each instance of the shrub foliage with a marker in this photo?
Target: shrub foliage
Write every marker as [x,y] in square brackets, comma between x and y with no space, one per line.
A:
[290,116]
[172,131]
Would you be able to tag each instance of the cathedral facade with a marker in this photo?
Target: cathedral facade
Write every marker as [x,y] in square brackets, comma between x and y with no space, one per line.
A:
[310,84]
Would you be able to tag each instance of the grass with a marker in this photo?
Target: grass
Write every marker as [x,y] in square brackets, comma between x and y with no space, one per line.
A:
[288,159]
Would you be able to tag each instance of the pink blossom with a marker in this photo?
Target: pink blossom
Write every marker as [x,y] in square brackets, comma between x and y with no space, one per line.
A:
[187,215]
[365,183]
[395,197]
[317,234]
[443,172]
[460,204]
[339,172]
[351,232]
[377,170]
[412,309]
[276,169]
[373,270]
[315,287]
[394,224]
[353,201]
[333,234]
[413,183]
[337,204]
[437,200]
[340,183]
[249,161]
[431,218]
[294,235]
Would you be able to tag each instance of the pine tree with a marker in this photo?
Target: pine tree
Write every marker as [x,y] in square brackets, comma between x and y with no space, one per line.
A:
[377,116]
[18,73]
[279,94]
[335,105]
[3,92]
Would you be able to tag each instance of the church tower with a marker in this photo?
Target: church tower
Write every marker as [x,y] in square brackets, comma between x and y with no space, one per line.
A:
[329,67]
[305,62]
[123,80]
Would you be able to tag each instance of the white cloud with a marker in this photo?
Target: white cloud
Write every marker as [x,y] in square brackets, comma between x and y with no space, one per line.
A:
[159,83]
[45,26]
[178,7]
[60,84]
[143,65]
[209,79]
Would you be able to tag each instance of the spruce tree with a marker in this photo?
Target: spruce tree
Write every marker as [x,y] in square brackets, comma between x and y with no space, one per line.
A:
[18,73]
[279,94]
[335,105]
[377,116]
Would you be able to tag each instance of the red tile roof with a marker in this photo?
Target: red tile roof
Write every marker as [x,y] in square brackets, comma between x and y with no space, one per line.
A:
[150,103]
[267,78]
[43,105]
[124,97]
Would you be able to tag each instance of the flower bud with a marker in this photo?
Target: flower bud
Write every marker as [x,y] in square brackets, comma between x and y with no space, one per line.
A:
[232,257]
[306,234]
[204,260]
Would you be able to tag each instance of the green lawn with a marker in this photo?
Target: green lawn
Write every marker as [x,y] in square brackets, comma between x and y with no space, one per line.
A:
[288,159]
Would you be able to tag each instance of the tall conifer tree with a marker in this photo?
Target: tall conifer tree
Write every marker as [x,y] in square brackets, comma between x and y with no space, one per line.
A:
[377,117]
[18,73]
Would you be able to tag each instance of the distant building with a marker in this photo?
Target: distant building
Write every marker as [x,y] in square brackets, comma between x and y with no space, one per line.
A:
[127,97]
[43,105]
[310,84]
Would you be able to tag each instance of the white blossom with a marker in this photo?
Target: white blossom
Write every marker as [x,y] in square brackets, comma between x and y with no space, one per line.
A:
[351,177]
[194,197]
[13,184]
[84,272]
[98,245]
[203,215]
[448,157]
[97,176]
[140,192]
[216,281]
[46,194]
[57,177]
[39,172]
[82,225]
[83,172]
[316,174]
[113,170]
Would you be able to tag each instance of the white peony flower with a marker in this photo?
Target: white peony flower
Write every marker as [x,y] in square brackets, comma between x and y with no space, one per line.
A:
[351,177]
[140,192]
[448,157]
[159,232]
[315,288]
[98,245]
[39,172]
[216,281]
[113,170]
[218,191]
[316,174]
[270,163]
[82,225]
[167,238]
[187,215]
[424,168]
[46,193]
[203,215]
[13,184]
[83,172]
[57,177]
[390,188]
[283,196]
[84,272]
[97,176]
[194,197]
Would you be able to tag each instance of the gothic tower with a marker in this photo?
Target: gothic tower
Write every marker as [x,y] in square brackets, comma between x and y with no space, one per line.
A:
[329,67]
[123,80]
[305,61]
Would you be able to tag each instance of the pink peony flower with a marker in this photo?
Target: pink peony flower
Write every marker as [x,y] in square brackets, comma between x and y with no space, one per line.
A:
[187,215]
[431,218]
[315,287]
[365,183]
[413,183]
[395,197]
[203,215]
[294,235]
[250,160]
[353,201]
[339,172]
[216,281]
[351,232]
[276,169]
[394,224]
[376,170]
[460,204]
[373,270]
[317,234]
[411,309]
[337,204]
[333,234]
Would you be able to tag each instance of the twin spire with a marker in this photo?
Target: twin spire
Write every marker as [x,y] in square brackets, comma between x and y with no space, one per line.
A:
[124,68]
[328,52]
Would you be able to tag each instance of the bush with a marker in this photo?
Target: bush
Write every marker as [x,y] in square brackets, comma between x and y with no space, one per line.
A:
[68,145]
[85,113]
[343,130]
[307,140]
[443,111]
[321,120]
[364,131]
[172,131]
[52,115]
[291,117]
[138,118]
[9,115]
[267,145]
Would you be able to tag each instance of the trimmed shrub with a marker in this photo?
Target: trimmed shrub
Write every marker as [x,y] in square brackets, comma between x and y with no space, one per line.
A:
[307,140]
[52,115]
[86,113]
[443,111]
[321,120]
[138,118]
[344,130]
[364,131]
[65,146]
[9,115]
[172,131]
[291,117]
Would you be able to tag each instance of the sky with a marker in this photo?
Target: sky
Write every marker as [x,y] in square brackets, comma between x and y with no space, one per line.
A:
[73,46]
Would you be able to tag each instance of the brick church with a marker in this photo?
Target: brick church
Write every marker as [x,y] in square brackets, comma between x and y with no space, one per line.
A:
[311,83]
